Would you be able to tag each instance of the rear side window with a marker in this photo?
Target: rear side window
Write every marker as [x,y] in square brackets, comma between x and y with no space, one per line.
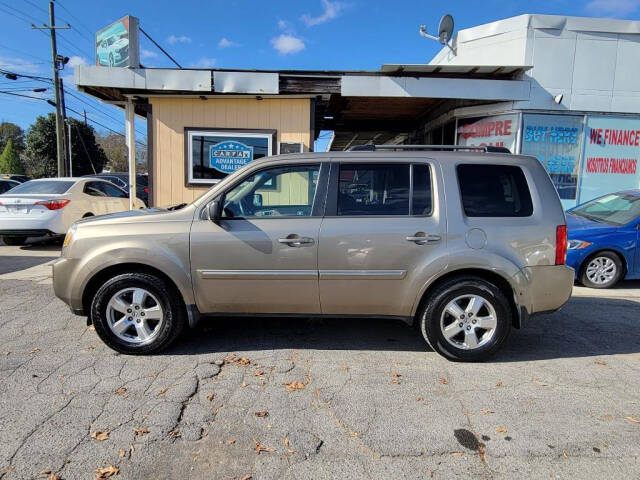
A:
[494,191]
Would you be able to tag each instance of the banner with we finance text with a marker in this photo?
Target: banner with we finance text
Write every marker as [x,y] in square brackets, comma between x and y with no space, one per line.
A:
[611,155]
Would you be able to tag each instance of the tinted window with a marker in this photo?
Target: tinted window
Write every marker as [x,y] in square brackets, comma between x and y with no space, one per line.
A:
[94,189]
[275,192]
[5,185]
[421,201]
[112,191]
[494,191]
[43,186]
[373,189]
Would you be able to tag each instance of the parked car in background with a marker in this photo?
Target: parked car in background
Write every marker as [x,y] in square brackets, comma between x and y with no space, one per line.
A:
[603,239]
[121,179]
[15,176]
[48,207]
[6,184]
[464,245]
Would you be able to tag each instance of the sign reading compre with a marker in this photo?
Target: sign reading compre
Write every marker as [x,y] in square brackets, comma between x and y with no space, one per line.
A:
[229,156]
[498,131]
[611,155]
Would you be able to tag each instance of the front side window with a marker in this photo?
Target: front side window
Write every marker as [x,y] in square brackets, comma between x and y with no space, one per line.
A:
[275,192]
[212,155]
[494,191]
[384,189]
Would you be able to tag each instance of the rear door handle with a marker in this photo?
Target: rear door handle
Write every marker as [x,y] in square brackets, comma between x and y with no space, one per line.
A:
[422,238]
[295,240]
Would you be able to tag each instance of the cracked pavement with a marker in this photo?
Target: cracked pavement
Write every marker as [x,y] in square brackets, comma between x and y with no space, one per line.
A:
[299,399]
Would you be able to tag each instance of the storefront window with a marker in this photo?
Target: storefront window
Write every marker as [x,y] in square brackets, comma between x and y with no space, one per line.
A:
[214,154]
[556,141]
[499,131]
[611,156]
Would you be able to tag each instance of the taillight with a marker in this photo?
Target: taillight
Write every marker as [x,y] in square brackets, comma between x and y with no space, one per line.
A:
[146,189]
[53,204]
[561,244]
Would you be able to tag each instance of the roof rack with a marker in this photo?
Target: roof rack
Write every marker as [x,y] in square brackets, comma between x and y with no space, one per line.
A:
[485,148]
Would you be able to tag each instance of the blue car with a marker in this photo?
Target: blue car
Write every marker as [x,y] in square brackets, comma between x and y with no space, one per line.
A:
[603,239]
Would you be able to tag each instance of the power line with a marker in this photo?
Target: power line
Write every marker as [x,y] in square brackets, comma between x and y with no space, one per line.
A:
[104,126]
[26,15]
[25,96]
[22,52]
[76,19]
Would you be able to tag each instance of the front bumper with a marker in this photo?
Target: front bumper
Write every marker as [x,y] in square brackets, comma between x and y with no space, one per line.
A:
[63,286]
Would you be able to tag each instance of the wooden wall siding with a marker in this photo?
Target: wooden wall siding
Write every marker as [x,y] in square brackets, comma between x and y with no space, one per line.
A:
[290,117]
[292,189]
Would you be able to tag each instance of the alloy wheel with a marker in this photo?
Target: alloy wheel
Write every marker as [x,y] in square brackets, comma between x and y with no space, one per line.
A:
[135,315]
[468,322]
[601,270]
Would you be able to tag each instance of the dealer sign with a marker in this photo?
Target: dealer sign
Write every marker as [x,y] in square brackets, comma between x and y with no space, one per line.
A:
[229,156]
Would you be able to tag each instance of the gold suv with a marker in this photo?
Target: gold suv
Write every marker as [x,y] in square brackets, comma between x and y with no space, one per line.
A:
[466,245]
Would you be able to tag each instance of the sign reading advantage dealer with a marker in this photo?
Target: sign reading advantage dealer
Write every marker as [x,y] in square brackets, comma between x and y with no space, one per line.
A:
[229,156]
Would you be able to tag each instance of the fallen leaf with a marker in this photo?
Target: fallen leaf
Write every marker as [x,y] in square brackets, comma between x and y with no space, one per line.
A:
[210,396]
[600,362]
[162,391]
[100,436]
[106,472]
[632,419]
[501,429]
[243,361]
[499,384]
[419,399]
[607,416]
[396,374]
[35,350]
[484,411]
[231,442]
[141,430]
[443,381]
[288,445]
[258,373]
[246,477]
[261,448]
[54,476]
[120,391]
[346,368]
[354,434]
[245,384]
[542,384]
[291,386]
[131,449]
[92,327]
[174,434]
[261,413]
[564,454]
[457,454]
[230,358]
[122,452]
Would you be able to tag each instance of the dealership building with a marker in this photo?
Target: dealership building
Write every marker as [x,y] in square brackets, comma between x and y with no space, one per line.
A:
[564,89]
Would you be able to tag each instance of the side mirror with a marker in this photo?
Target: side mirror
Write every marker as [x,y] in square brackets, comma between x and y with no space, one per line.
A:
[214,209]
[257,199]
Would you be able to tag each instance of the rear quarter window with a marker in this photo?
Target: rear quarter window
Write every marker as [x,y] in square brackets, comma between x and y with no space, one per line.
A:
[494,191]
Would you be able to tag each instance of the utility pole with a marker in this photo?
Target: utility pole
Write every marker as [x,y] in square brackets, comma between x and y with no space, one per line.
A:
[85,115]
[63,108]
[70,151]
[60,147]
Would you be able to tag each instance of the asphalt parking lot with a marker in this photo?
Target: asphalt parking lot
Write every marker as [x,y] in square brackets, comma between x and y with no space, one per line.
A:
[293,399]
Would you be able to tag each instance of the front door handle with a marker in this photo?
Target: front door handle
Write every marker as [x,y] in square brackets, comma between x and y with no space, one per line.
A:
[294,240]
[421,238]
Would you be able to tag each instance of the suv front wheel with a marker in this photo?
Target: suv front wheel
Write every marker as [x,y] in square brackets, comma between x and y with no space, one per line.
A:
[466,319]
[137,313]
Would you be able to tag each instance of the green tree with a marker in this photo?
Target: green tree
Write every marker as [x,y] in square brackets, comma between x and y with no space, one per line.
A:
[10,160]
[12,131]
[40,151]
[115,148]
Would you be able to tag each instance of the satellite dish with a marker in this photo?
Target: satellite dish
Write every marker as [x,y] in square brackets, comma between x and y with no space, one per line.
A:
[445,29]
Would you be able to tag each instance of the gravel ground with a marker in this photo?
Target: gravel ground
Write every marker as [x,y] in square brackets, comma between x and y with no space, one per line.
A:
[300,399]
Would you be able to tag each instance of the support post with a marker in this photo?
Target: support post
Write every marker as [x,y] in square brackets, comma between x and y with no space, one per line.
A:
[130,132]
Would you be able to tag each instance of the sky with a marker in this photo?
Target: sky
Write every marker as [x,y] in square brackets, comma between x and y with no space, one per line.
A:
[263,34]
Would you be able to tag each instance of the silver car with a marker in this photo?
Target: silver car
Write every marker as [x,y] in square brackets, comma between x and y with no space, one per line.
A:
[464,245]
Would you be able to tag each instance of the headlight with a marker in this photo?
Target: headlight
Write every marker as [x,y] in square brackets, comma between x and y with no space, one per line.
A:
[578,244]
[69,236]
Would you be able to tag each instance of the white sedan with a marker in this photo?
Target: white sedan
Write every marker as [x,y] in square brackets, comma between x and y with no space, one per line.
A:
[49,206]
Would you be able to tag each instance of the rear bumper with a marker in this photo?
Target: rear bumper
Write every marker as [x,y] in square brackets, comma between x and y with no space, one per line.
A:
[32,227]
[545,288]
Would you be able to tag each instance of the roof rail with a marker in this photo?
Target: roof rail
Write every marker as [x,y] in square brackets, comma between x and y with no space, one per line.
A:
[485,148]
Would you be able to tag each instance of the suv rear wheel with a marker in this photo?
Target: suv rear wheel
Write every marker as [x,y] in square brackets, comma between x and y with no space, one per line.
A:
[466,319]
[137,313]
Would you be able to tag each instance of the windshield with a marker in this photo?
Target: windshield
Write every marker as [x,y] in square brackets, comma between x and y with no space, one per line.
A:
[47,187]
[617,209]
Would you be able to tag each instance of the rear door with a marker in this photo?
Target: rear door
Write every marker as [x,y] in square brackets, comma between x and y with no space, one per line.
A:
[383,235]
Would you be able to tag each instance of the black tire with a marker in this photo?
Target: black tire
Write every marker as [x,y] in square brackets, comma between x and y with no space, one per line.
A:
[429,319]
[13,241]
[619,270]
[170,300]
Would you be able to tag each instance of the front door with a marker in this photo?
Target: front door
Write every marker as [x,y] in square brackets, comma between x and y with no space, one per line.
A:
[384,233]
[262,255]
